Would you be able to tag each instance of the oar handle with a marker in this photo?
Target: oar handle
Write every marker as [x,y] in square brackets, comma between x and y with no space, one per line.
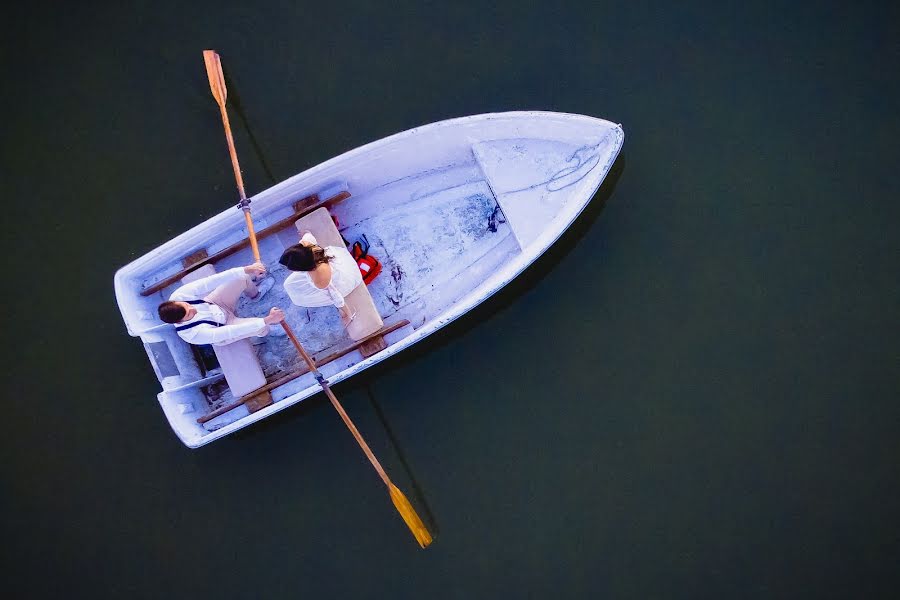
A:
[337,405]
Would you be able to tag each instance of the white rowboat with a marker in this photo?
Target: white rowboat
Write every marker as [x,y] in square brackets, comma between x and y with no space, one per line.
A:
[454,210]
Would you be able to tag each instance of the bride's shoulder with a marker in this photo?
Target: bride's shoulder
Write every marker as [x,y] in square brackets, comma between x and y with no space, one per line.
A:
[321,276]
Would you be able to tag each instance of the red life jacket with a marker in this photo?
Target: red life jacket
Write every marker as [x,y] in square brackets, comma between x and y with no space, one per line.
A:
[369,266]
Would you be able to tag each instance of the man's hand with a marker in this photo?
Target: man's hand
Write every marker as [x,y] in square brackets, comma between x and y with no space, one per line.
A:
[276,315]
[255,270]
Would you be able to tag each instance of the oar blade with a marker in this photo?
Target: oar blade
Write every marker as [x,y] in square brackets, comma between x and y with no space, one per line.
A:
[214,73]
[410,517]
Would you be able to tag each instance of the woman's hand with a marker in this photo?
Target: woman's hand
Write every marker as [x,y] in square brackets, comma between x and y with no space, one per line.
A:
[307,238]
[346,314]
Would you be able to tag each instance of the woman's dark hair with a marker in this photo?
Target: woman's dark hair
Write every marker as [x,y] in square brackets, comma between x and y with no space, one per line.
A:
[303,258]
[171,312]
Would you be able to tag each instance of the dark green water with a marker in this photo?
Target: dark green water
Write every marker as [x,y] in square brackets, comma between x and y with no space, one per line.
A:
[711,412]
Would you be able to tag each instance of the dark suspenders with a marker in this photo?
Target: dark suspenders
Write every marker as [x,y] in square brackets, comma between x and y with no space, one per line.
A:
[195,323]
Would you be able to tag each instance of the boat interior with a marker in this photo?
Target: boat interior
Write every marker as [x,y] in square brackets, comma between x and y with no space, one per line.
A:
[437,235]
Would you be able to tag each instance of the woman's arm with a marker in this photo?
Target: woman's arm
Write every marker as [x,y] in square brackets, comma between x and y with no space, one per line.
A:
[336,297]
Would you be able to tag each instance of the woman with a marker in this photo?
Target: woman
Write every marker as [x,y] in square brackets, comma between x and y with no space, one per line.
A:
[322,276]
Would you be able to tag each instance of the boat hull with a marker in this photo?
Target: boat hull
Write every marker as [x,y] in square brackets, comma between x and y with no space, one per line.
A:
[426,195]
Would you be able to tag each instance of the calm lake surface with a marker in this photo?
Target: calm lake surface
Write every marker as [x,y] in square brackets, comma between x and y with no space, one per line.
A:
[694,394]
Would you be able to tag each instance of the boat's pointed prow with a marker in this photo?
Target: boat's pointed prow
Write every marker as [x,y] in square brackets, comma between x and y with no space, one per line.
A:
[539,179]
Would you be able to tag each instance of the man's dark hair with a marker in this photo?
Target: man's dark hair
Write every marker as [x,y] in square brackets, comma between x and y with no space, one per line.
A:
[303,258]
[171,312]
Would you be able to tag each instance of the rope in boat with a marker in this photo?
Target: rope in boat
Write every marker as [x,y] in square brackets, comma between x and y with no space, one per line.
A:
[593,156]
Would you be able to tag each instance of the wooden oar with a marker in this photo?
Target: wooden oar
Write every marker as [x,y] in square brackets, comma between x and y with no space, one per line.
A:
[400,502]
[217,85]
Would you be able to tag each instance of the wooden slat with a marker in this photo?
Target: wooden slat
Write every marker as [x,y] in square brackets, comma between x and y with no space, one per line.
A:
[283,223]
[303,203]
[259,401]
[192,259]
[303,370]
[373,346]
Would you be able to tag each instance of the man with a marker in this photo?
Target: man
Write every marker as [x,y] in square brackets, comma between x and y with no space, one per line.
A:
[203,310]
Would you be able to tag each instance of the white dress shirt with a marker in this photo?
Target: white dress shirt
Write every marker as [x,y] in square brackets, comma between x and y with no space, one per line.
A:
[211,334]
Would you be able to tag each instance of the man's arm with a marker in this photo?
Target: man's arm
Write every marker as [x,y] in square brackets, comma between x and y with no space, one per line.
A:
[200,288]
[226,334]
